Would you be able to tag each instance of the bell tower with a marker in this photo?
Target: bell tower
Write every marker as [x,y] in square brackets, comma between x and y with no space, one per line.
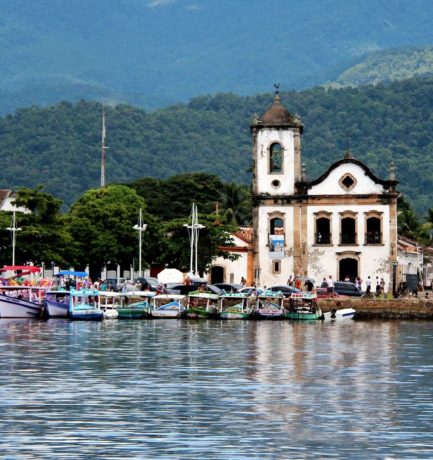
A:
[276,169]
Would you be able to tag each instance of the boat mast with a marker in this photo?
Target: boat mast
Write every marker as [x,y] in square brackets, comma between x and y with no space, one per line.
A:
[103,148]
[195,227]
[14,229]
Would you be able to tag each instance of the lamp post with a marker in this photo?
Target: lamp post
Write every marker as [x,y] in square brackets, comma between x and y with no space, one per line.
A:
[194,228]
[394,278]
[141,228]
[14,229]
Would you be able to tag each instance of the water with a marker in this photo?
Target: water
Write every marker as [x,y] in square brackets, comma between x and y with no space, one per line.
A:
[173,389]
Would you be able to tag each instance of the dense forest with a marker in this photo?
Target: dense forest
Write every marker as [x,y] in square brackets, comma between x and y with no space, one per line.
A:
[59,146]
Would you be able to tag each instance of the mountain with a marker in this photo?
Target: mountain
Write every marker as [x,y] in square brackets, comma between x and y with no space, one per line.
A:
[153,53]
[59,146]
[388,65]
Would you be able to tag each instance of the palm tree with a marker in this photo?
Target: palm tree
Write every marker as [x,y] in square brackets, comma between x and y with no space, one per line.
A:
[236,204]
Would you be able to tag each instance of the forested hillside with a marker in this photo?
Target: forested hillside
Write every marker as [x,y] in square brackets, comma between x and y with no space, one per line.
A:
[152,53]
[389,65]
[59,146]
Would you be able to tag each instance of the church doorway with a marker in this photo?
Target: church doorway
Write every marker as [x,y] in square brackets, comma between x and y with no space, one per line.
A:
[217,275]
[348,268]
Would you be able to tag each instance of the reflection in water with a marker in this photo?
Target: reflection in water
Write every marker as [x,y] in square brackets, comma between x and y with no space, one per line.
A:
[211,389]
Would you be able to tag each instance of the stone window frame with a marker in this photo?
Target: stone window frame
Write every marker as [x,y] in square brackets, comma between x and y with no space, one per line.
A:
[276,266]
[348,255]
[377,215]
[276,215]
[340,182]
[349,214]
[322,215]
[269,149]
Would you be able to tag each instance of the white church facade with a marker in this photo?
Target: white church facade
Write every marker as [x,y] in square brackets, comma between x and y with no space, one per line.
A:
[342,224]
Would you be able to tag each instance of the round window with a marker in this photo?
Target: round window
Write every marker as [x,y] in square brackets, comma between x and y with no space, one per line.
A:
[276,183]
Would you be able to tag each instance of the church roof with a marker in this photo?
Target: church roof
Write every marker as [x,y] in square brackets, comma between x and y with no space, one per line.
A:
[278,116]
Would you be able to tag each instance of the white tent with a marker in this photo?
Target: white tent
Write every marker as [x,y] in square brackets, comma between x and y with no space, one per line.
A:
[170,275]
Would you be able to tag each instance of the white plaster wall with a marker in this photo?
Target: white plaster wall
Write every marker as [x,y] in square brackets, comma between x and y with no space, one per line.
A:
[267,278]
[237,267]
[373,260]
[265,138]
[331,186]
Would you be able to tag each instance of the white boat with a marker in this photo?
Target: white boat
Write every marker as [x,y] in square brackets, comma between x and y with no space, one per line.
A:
[21,301]
[235,306]
[108,303]
[56,304]
[168,306]
[340,314]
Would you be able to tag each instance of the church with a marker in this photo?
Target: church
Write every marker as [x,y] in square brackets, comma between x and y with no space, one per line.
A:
[342,224]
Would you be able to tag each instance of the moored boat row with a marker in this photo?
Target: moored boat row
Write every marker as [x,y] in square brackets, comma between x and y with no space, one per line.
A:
[91,304]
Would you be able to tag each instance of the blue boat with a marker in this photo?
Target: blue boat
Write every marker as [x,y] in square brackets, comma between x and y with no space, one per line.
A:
[83,305]
[56,304]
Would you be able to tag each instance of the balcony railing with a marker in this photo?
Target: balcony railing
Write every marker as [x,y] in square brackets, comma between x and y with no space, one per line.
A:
[373,238]
[322,238]
[347,238]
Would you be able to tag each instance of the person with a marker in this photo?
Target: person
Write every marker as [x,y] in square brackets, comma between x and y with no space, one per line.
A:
[308,285]
[358,282]
[382,286]
[330,284]
[290,281]
[347,279]
[368,285]
[243,282]
[298,283]
[377,286]
[324,283]
[188,281]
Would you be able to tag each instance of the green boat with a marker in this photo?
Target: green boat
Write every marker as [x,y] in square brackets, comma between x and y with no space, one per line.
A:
[235,306]
[140,308]
[202,305]
[303,306]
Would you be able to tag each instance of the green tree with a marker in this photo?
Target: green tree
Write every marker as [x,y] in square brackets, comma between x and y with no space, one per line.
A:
[101,225]
[236,204]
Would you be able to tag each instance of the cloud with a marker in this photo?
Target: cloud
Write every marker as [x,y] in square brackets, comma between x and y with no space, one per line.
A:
[156,3]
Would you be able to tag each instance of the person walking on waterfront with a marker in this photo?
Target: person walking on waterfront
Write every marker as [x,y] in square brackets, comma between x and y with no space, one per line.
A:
[330,284]
[377,286]
[368,284]
[290,281]
[382,286]
[324,283]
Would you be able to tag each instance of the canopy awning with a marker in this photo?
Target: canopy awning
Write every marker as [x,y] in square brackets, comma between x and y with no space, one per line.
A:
[14,268]
[72,273]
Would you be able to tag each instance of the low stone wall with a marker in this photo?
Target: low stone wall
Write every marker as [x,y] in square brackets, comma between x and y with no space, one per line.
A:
[405,308]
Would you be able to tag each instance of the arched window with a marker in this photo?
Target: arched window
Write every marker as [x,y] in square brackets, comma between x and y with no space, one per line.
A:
[322,233]
[276,226]
[373,227]
[348,228]
[276,236]
[275,158]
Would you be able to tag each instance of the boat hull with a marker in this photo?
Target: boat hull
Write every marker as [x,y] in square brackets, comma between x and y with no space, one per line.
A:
[86,315]
[234,315]
[134,313]
[200,313]
[302,316]
[267,313]
[56,309]
[167,313]
[339,315]
[17,308]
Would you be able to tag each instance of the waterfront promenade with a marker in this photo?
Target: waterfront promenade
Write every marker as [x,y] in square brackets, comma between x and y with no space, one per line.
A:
[403,308]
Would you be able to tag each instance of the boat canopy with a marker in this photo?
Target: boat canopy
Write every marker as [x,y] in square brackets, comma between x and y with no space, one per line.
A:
[23,268]
[72,273]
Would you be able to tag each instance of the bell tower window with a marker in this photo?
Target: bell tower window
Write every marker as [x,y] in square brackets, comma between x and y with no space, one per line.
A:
[276,158]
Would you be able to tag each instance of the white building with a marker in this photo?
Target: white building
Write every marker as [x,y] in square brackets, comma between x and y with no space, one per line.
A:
[342,224]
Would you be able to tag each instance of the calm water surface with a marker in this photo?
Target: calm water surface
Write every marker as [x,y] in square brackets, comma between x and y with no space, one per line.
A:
[174,389]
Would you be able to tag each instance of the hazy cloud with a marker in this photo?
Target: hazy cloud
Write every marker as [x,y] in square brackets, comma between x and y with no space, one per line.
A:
[156,3]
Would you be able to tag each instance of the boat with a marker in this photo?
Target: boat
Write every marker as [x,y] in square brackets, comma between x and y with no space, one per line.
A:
[268,305]
[140,308]
[56,304]
[202,304]
[109,302]
[234,306]
[83,305]
[168,306]
[303,306]
[339,314]
[21,301]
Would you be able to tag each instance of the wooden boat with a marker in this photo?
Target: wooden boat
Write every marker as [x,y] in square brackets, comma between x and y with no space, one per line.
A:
[303,306]
[202,305]
[140,307]
[168,306]
[56,304]
[108,303]
[268,305]
[21,301]
[235,306]
[83,305]
[339,314]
